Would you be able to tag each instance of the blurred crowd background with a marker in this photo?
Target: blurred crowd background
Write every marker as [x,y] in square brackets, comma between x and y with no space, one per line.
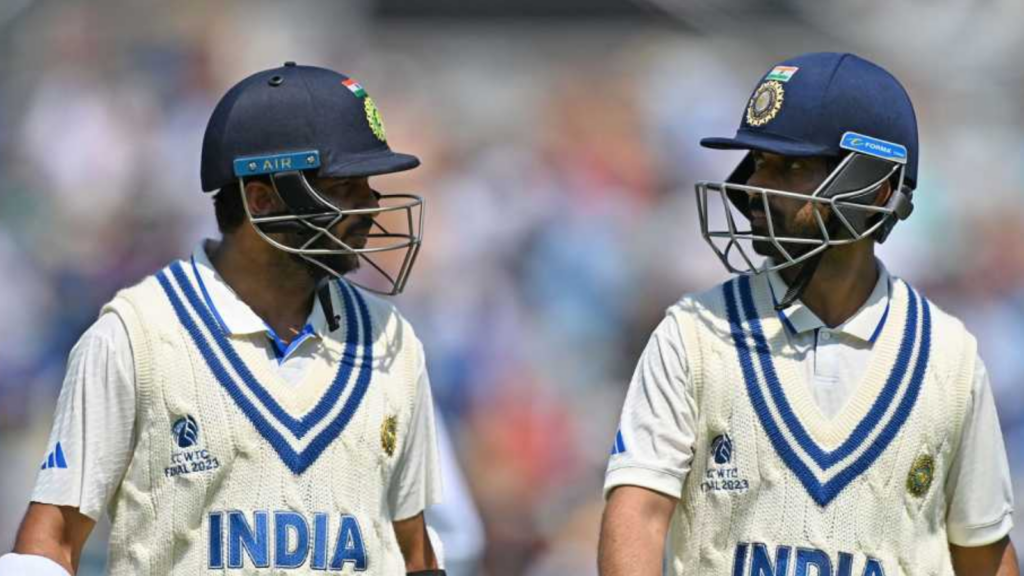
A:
[559,147]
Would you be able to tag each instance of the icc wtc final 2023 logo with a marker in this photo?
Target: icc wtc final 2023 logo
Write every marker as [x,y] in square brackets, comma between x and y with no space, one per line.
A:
[722,474]
[186,431]
[189,458]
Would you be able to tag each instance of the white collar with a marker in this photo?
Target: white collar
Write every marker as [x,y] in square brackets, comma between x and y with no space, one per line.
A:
[865,324]
[234,315]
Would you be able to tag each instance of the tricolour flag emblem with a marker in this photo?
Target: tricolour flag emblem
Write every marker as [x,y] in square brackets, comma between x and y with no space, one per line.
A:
[355,87]
[782,73]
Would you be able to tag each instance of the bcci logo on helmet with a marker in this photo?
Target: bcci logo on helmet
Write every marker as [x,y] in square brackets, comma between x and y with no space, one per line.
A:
[186,431]
[721,449]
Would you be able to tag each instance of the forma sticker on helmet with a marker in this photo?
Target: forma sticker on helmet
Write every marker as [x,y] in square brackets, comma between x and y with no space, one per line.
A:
[874,147]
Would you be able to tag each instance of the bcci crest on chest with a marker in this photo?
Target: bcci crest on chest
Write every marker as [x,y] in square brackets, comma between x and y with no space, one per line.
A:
[722,474]
[389,435]
[919,479]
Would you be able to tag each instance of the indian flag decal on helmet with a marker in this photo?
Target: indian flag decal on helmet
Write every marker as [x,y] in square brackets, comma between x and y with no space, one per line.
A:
[782,73]
[355,87]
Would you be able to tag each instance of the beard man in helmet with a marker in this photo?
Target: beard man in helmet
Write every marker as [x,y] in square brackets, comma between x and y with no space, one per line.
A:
[814,415]
[246,408]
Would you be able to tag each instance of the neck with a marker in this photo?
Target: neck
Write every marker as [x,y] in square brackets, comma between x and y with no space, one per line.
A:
[845,277]
[277,289]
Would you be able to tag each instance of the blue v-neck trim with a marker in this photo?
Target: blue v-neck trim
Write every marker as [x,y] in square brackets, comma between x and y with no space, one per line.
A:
[738,294]
[297,461]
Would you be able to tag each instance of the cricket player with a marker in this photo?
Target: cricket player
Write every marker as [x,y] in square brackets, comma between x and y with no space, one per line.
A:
[246,409]
[815,415]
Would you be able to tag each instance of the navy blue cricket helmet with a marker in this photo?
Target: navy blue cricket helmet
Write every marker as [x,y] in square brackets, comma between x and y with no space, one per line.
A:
[825,104]
[295,109]
[295,123]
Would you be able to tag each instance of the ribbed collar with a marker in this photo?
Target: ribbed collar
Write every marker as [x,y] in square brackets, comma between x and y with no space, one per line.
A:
[234,315]
[865,324]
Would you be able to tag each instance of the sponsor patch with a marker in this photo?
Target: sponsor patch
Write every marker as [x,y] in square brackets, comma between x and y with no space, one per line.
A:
[255,165]
[874,147]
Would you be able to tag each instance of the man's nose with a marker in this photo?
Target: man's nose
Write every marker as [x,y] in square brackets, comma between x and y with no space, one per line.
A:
[364,196]
[762,179]
[755,199]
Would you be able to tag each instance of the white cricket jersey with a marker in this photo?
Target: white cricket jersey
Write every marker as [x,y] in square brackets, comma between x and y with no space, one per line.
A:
[660,424]
[99,420]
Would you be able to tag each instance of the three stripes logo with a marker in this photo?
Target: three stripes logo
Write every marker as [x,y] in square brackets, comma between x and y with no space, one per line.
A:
[55,459]
[620,445]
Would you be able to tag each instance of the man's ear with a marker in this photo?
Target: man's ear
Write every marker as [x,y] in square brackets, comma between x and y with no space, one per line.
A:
[262,199]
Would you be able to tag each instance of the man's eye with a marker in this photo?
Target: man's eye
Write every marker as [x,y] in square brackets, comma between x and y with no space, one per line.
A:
[796,165]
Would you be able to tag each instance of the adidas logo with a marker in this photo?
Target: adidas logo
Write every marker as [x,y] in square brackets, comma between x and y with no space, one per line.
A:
[620,445]
[55,459]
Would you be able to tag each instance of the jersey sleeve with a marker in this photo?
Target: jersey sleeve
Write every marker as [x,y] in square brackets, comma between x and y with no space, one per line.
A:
[91,440]
[978,489]
[416,483]
[653,446]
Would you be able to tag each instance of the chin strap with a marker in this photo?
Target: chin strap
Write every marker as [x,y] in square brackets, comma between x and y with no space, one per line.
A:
[323,292]
[803,280]
[806,274]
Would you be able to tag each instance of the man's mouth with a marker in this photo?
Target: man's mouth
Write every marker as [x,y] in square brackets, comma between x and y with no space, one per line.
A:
[358,236]
[355,241]
[758,219]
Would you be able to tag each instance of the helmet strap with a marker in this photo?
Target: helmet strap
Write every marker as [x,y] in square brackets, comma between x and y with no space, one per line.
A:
[806,274]
[323,292]
[803,279]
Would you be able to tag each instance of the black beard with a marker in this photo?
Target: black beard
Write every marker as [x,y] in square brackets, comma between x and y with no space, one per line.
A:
[768,249]
[340,264]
